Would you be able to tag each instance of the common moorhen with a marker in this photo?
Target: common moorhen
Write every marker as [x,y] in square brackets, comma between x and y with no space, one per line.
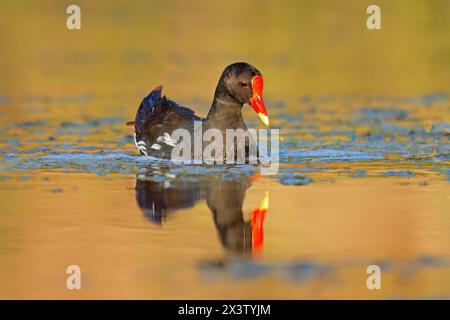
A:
[157,116]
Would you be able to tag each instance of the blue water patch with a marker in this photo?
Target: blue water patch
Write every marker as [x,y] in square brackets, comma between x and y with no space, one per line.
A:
[327,155]
[427,99]
[240,269]
[304,270]
[5,100]
[92,123]
[76,99]
[29,124]
[103,163]
[358,174]
[292,179]
[378,114]
[126,139]
[430,261]
[289,117]
[444,171]
[40,150]
[12,141]
[442,128]
[403,174]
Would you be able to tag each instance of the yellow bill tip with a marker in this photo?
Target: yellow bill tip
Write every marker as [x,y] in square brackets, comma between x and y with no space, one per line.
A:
[264,205]
[264,118]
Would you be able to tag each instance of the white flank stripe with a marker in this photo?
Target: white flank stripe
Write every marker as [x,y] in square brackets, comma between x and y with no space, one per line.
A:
[143,150]
[156,146]
[167,139]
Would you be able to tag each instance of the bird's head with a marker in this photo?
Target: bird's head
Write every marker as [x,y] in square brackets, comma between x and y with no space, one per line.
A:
[244,83]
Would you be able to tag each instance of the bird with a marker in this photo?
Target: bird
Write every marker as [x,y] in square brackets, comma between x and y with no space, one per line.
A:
[158,116]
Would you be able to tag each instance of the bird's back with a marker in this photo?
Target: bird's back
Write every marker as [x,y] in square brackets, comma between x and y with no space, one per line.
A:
[157,117]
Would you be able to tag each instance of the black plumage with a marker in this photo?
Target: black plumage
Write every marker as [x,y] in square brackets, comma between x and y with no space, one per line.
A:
[157,116]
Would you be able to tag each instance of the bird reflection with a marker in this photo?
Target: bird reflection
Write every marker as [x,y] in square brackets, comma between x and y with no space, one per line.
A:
[160,193]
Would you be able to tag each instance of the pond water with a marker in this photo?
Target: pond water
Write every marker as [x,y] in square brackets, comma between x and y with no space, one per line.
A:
[364,119]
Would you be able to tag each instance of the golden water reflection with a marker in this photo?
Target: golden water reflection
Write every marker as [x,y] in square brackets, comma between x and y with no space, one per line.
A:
[238,232]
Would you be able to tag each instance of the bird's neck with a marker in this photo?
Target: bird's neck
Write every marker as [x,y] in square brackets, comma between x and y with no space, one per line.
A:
[225,112]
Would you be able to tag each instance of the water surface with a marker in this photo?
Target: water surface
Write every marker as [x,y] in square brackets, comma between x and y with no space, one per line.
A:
[364,120]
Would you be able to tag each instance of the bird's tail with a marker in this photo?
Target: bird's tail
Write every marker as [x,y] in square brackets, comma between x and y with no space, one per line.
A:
[147,106]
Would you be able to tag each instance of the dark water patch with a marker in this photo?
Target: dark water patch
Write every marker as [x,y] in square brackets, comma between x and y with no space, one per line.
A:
[385,130]
[92,123]
[327,155]
[57,190]
[199,172]
[427,99]
[124,140]
[362,150]
[297,271]
[40,150]
[419,100]
[12,141]
[443,171]
[103,163]
[322,134]
[307,270]
[5,100]
[409,268]
[304,270]
[73,132]
[247,269]
[58,148]
[403,174]
[306,169]
[442,128]
[67,146]
[385,265]
[76,99]
[276,104]
[304,99]
[378,114]
[135,57]
[374,137]
[428,261]
[42,140]
[295,179]
[91,148]
[291,118]
[98,163]
[358,174]
[29,124]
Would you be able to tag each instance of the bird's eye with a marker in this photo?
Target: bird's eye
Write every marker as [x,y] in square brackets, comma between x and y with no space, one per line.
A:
[243,83]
